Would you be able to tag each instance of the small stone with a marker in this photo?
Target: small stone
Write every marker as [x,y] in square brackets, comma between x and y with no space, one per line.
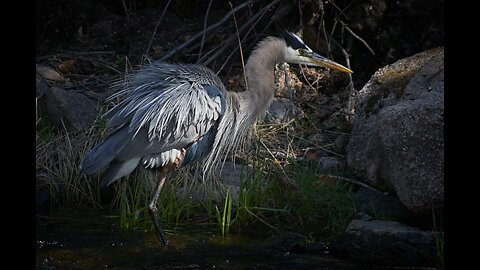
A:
[330,164]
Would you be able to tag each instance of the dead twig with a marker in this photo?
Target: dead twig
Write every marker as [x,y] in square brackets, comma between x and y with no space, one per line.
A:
[240,47]
[126,10]
[156,28]
[70,54]
[345,26]
[318,147]
[355,182]
[204,27]
[251,22]
[342,11]
[351,89]
[100,62]
[208,29]
[322,29]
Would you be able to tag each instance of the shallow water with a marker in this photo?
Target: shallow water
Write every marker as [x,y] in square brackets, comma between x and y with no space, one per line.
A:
[89,240]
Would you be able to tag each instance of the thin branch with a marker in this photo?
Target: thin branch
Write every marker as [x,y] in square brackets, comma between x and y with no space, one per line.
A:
[318,147]
[277,162]
[241,50]
[71,54]
[126,10]
[196,46]
[156,28]
[259,15]
[355,182]
[300,13]
[331,35]
[324,31]
[342,11]
[101,62]
[305,77]
[351,98]
[218,52]
[204,27]
[356,36]
[261,219]
[211,27]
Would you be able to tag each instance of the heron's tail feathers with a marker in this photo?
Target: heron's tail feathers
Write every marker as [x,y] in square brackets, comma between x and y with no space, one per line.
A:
[118,169]
[102,154]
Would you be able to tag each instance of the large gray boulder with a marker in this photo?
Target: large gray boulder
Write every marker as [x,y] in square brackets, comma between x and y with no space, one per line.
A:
[70,109]
[397,142]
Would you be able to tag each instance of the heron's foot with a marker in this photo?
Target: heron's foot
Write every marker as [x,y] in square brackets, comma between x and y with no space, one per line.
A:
[161,237]
[158,230]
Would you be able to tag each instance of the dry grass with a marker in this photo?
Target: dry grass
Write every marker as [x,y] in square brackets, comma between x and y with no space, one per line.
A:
[58,155]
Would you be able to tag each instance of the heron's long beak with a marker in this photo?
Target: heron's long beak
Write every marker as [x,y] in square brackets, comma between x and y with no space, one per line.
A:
[325,62]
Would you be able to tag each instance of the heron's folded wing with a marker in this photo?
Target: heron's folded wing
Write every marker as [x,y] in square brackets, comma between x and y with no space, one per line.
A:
[167,115]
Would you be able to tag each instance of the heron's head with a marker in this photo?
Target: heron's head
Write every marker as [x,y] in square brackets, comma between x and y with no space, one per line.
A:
[297,52]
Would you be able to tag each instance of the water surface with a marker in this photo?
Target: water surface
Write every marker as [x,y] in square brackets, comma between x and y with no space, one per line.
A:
[90,240]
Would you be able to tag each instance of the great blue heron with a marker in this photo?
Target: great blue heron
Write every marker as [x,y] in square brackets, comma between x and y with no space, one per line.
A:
[176,114]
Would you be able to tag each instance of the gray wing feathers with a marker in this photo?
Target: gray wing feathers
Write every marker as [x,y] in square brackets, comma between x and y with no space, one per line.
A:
[154,161]
[166,107]
[172,104]
[118,169]
[102,154]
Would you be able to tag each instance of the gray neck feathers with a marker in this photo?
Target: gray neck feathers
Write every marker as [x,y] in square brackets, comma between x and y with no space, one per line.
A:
[260,70]
[244,108]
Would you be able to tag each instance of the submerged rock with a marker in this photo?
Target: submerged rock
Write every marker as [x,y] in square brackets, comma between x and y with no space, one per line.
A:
[397,142]
[387,243]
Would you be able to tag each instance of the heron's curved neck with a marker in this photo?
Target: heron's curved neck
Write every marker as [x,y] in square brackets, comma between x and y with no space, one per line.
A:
[260,70]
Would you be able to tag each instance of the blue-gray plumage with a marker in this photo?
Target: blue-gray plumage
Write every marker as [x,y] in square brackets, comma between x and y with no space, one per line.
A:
[158,117]
[173,115]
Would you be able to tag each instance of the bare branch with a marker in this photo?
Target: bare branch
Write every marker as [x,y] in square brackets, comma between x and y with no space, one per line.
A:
[156,28]
[211,27]
[351,98]
[355,182]
[126,10]
[204,27]
[356,36]
[240,46]
[256,17]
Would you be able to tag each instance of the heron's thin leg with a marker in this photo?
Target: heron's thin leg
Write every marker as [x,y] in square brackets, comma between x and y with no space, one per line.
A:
[164,171]
[153,209]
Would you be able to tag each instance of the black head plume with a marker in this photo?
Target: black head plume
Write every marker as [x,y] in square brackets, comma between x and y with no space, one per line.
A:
[293,40]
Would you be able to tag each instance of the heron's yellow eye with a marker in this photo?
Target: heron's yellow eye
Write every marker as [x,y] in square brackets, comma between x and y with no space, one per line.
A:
[302,52]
